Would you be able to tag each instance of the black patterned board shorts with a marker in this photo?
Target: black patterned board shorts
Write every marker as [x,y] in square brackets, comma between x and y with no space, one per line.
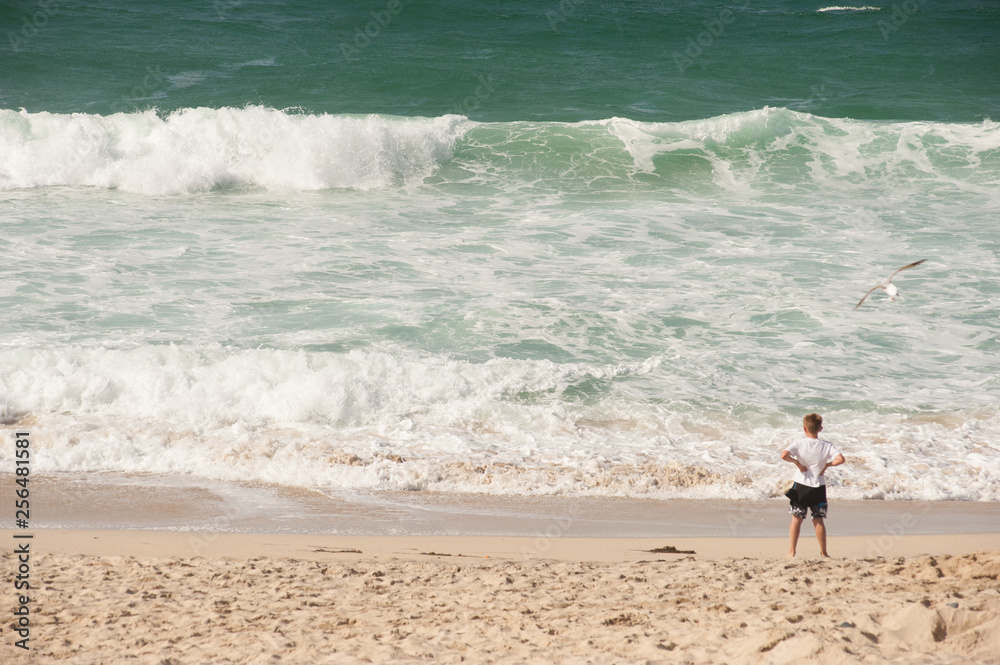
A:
[808,499]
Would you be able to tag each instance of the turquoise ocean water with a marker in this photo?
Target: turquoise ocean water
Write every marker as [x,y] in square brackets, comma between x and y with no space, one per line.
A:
[520,248]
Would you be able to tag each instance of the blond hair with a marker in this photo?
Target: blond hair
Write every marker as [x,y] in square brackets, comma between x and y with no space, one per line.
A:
[813,423]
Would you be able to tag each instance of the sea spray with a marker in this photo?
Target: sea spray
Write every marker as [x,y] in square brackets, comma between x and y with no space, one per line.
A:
[196,150]
[375,421]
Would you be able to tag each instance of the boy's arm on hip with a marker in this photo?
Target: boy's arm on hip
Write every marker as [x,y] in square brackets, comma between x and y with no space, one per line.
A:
[836,461]
[787,456]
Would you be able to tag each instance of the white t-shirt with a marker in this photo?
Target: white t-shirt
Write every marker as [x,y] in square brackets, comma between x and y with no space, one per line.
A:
[812,454]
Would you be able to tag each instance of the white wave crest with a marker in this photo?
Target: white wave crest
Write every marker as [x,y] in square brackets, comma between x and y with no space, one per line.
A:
[373,420]
[841,8]
[746,151]
[200,149]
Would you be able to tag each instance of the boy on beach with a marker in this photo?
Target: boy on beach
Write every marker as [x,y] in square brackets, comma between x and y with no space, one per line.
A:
[811,457]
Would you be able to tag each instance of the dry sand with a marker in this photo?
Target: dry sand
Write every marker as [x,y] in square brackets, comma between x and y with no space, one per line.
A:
[154,597]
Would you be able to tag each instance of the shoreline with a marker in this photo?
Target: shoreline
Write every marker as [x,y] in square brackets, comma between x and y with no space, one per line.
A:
[465,549]
[186,504]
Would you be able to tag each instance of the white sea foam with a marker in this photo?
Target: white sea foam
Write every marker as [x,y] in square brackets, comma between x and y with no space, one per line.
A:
[195,150]
[201,149]
[769,150]
[841,8]
[381,421]
[607,307]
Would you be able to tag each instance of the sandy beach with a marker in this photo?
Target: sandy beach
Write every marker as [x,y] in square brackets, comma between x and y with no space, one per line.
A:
[399,332]
[262,574]
[158,597]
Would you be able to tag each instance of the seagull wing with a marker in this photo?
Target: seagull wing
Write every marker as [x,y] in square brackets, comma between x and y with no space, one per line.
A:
[907,267]
[868,294]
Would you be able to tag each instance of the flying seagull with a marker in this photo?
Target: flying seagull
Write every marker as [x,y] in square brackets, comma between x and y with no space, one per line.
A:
[887,285]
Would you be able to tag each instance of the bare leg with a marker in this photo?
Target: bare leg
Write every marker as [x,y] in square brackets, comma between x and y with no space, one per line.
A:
[820,535]
[793,534]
